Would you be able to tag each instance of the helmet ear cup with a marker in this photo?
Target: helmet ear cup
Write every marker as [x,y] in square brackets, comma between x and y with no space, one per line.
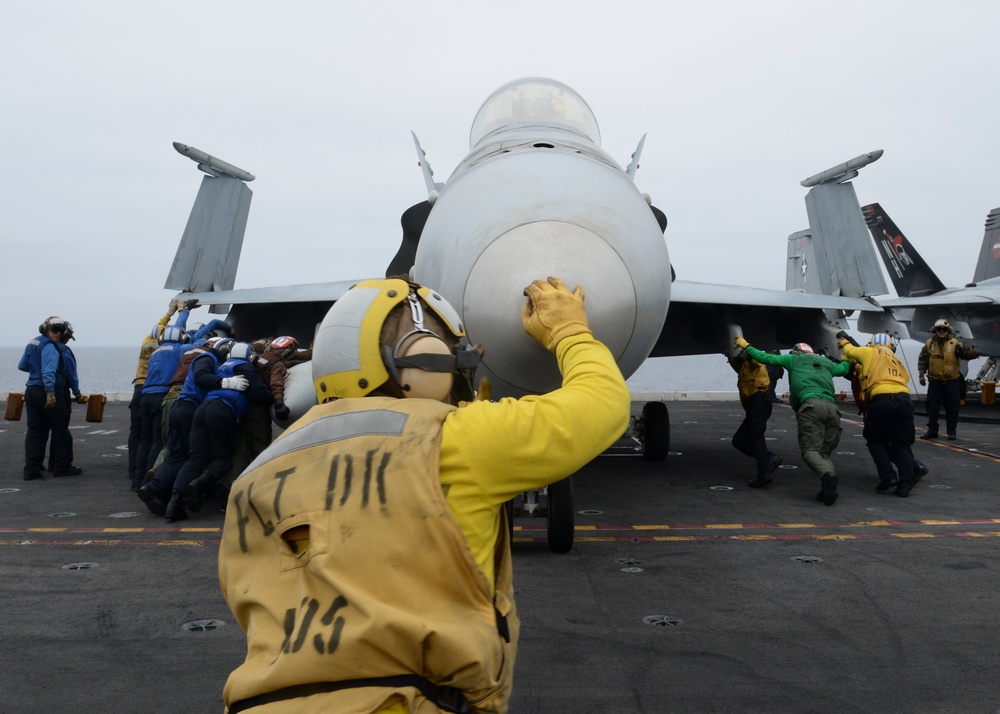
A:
[419,383]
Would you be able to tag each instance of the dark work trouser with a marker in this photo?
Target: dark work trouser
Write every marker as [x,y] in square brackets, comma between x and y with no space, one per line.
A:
[134,428]
[178,447]
[889,432]
[212,440]
[40,423]
[948,392]
[749,438]
[150,436]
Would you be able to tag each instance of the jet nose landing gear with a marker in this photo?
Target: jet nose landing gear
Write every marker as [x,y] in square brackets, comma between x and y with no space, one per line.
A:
[651,430]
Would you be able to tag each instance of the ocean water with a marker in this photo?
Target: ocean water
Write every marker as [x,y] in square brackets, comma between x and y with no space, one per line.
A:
[111,369]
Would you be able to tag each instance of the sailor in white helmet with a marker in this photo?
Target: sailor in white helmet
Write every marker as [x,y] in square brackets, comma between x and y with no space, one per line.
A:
[365,552]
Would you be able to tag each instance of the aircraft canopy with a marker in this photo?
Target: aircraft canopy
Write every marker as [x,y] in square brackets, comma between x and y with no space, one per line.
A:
[534,100]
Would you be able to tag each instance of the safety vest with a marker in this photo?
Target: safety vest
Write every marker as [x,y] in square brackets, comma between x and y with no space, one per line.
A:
[886,374]
[190,390]
[752,378]
[341,560]
[237,401]
[942,363]
[161,368]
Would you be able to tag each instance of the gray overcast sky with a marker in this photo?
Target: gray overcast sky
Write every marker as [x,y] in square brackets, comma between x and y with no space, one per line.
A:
[741,101]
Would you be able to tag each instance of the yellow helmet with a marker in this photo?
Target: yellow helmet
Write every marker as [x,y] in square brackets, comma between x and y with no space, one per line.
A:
[394,336]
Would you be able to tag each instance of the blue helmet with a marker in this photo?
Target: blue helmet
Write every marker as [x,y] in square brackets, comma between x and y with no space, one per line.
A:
[172,333]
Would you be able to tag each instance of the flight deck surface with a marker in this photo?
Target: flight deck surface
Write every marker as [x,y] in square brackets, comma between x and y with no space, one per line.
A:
[685,590]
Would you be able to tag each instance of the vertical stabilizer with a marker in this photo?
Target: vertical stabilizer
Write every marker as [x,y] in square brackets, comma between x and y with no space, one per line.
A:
[989,256]
[209,251]
[799,271]
[843,259]
[910,274]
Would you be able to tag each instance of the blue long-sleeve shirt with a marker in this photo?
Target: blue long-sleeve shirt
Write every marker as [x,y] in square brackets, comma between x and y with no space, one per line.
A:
[42,360]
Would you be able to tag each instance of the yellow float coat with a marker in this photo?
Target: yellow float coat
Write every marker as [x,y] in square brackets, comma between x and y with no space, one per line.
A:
[392,590]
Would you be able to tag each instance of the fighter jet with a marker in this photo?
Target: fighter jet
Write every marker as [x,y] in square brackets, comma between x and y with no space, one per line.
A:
[840,228]
[535,196]
[973,310]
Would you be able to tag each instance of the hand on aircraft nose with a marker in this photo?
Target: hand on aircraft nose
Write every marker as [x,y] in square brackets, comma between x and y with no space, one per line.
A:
[553,313]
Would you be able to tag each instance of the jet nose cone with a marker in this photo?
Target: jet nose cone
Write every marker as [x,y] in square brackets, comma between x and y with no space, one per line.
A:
[494,298]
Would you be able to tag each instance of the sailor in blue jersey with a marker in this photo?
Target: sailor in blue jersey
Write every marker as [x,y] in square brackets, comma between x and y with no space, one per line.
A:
[213,431]
[174,342]
[201,379]
[45,398]
[162,365]
[72,394]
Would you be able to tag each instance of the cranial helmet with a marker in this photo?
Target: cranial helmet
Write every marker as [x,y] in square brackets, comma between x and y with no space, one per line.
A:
[941,323]
[880,339]
[397,337]
[285,346]
[240,350]
[802,347]
[220,346]
[172,333]
[56,324]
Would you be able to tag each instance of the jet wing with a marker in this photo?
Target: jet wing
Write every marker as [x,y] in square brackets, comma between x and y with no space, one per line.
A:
[982,294]
[703,317]
[293,310]
[308,292]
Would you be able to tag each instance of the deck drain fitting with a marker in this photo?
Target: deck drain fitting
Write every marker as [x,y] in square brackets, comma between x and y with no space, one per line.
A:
[632,569]
[202,625]
[79,566]
[124,514]
[806,559]
[9,490]
[111,456]
[626,560]
[663,620]
[675,453]
[591,513]
[939,486]
[62,514]
[720,488]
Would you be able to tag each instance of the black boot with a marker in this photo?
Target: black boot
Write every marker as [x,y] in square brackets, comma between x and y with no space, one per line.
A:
[153,502]
[202,484]
[175,509]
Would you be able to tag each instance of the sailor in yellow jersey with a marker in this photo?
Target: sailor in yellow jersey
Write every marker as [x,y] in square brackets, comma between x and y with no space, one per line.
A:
[365,552]
[889,430]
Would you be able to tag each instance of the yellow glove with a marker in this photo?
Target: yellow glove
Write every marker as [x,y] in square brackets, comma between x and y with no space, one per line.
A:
[553,313]
[740,342]
[80,399]
[482,394]
[50,400]
[842,342]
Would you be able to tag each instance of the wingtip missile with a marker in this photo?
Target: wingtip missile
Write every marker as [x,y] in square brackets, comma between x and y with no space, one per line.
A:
[211,165]
[840,173]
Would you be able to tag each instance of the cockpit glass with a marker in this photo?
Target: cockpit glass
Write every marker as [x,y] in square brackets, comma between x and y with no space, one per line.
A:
[534,101]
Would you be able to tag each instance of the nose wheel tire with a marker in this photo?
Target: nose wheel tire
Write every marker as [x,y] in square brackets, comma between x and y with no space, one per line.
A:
[655,431]
[560,517]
